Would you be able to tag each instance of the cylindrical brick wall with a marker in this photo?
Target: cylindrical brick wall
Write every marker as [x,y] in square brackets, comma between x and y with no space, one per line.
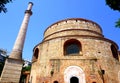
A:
[51,63]
[74,26]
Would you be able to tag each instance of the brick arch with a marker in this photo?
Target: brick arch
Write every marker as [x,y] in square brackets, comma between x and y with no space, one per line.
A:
[35,55]
[114,52]
[74,71]
[74,45]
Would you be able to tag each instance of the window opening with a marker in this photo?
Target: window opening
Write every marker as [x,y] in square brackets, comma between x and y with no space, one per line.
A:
[35,56]
[72,46]
[114,52]
[72,49]
[93,82]
[55,81]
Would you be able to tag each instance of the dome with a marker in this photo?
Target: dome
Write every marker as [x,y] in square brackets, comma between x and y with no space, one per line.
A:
[73,26]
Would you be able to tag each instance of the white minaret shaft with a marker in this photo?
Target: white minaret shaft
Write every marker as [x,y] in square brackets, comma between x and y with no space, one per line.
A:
[19,43]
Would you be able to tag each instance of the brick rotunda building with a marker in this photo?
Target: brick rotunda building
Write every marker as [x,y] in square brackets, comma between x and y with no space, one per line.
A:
[75,51]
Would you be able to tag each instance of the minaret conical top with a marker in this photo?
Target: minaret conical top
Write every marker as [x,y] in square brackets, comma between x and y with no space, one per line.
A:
[30,4]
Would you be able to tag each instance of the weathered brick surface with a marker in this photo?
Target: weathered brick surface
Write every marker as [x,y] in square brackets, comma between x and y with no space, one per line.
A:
[96,55]
[72,24]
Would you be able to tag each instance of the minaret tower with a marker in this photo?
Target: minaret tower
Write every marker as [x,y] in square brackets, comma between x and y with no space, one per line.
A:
[18,46]
[13,65]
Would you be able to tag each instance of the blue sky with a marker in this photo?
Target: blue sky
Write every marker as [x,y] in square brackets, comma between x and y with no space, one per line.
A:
[47,12]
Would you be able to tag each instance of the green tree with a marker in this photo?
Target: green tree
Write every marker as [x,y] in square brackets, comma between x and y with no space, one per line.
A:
[115,5]
[27,68]
[2,5]
[23,76]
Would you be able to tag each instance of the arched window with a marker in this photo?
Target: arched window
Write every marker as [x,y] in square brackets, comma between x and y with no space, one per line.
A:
[93,82]
[114,52]
[35,55]
[72,46]
[55,82]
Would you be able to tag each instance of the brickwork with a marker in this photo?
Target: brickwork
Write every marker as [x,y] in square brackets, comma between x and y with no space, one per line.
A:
[12,71]
[72,27]
[96,60]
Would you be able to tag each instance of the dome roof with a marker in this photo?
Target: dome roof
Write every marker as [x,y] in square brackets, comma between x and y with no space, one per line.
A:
[73,26]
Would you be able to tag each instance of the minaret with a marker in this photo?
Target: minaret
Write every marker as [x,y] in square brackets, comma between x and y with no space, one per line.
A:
[13,64]
[18,46]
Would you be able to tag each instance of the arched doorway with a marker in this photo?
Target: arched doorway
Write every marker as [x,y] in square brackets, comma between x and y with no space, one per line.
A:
[74,80]
[74,74]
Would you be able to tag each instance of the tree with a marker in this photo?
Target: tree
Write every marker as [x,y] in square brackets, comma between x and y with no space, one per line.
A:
[115,5]
[1,67]
[118,23]
[27,68]
[25,72]
[2,5]
[3,56]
